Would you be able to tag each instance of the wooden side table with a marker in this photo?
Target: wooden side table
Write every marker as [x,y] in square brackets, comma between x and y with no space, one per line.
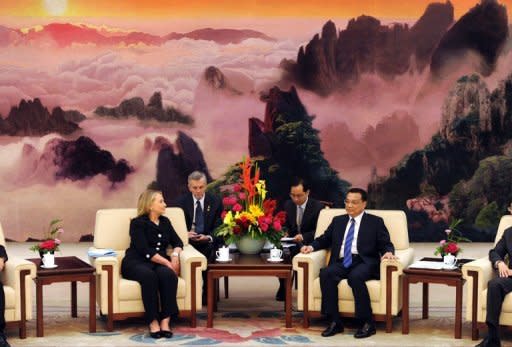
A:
[69,269]
[249,265]
[452,278]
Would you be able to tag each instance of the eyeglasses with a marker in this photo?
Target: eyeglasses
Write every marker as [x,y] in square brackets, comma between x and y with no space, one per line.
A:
[352,202]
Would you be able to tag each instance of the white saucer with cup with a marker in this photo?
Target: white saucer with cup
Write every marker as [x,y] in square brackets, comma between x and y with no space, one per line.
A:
[450,260]
[223,254]
[275,255]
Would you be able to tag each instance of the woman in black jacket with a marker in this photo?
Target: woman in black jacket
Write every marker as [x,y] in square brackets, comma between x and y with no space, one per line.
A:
[147,262]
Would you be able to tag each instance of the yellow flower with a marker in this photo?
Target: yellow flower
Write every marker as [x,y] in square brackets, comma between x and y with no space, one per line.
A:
[256,211]
[249,216]
[260,186]
[228,218]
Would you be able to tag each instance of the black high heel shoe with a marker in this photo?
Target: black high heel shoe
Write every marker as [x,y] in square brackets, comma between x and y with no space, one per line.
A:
[155,335]
[166,334]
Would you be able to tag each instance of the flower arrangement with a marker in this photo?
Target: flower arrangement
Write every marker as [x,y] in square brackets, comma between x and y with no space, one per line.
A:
[247,211]
[51,242]
[453,237]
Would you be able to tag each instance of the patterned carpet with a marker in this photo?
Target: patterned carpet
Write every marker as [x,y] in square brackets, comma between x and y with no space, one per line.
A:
[244,328]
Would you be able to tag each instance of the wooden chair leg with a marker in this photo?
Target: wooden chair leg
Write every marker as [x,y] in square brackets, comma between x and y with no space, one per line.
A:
[294,279]
[226,287]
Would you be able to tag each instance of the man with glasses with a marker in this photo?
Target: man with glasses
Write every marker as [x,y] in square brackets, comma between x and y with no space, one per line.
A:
[301,218]
[358,242]
[202,214]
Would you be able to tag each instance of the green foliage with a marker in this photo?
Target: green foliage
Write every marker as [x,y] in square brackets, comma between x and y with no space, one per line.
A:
[489,216]
[490,182]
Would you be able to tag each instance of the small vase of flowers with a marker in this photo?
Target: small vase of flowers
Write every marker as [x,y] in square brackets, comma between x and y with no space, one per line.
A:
[51,242]
[450,245]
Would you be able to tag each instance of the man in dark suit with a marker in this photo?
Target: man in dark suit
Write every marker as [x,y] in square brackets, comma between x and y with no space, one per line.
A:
[202,215]
[358,242]
[498,288]
[301,217]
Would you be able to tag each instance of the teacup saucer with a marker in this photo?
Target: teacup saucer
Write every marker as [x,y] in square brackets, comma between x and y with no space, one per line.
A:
[49,267]
[449,267]
[223,260]
[275,260]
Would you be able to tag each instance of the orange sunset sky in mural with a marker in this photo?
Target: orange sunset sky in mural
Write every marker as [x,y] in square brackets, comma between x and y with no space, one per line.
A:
[225,8]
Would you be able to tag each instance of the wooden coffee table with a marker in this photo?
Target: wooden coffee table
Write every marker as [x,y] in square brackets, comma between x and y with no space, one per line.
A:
[249,265]
[69,269]
[451,278]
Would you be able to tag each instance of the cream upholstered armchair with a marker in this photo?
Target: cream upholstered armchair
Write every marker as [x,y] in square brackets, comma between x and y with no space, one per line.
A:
[120,298]
[17,280]
[385,294]
[477,274]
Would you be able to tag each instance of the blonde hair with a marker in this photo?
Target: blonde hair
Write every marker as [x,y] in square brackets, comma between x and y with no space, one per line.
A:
[145,200]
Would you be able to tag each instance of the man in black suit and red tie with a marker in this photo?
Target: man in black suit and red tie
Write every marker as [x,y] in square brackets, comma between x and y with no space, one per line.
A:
[358,241]
[202,215]
[498,288]
[301,217]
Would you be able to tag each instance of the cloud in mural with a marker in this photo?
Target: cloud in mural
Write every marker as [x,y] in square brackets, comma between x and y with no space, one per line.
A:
[88,77]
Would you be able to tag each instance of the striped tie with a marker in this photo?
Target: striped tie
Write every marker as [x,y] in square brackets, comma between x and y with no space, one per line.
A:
[347,251]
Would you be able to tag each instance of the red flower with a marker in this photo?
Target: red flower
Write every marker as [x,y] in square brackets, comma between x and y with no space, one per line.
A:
[451,248]
[281,216]
[264,227]
[237,230]
[223,214]
[269,206]
[48,245]
[277,225]
[237,187]
[242,196]
[237,207]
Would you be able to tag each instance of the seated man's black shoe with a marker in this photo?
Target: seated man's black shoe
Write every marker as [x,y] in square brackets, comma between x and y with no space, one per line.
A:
[280,295]
[3,341]
[333,329]
[166,334]
[488,343]
[366,330]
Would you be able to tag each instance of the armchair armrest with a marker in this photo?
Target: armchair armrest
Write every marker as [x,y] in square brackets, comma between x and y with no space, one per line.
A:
[313,262]
[15,269]
[108,276]
[192,262]
[481,272]
[405,258]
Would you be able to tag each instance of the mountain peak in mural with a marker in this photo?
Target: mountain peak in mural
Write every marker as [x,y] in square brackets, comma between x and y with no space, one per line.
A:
[67,34]
[331,62]
[135,107]
[484,30]
[172,169]
[31,118]
[334,62]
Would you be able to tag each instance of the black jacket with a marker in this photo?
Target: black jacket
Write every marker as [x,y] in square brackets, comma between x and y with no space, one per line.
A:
[147,238]
[502,248]
[372,241]
[309,219]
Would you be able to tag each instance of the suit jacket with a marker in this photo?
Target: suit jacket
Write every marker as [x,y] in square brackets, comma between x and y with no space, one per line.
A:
[212,211]
[372,241]
[147,239]
[502,248]
[309,219]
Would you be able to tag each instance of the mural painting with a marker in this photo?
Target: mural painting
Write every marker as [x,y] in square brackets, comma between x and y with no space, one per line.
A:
[100,99]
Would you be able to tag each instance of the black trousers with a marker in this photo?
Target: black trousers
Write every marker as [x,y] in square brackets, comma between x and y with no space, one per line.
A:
[208,250]
[497,289]
[154,279]
[357,275]
[2,309]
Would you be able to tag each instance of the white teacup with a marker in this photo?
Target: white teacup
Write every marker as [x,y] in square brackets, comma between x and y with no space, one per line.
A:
[223,253]
[48,259]
[450,260]
[275,253]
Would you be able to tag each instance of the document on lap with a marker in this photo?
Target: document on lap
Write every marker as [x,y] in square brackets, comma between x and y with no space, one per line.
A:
[101,252]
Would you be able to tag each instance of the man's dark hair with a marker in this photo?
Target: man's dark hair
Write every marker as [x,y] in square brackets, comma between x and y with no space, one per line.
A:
[297,181]
[364,194]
